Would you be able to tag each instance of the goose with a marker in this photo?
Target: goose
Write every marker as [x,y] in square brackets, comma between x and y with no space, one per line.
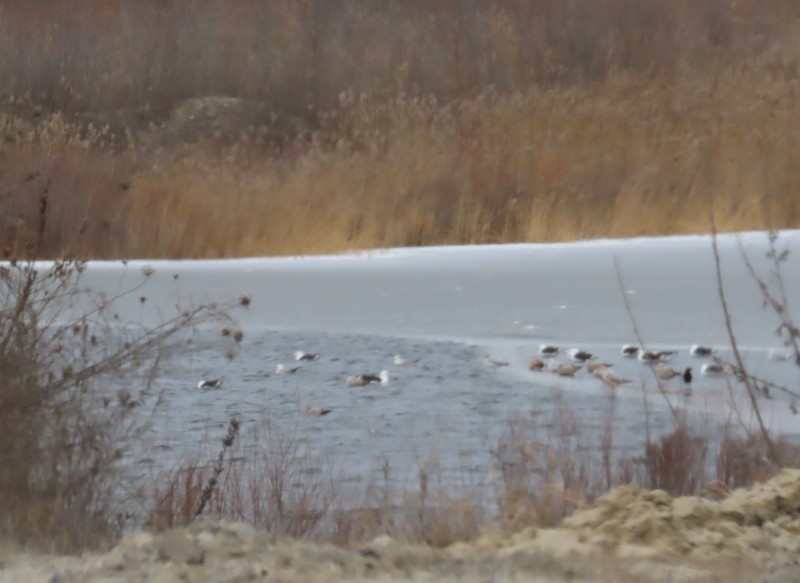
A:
[210,384]
[536,364]
[665,372]
[629,350]
[568,369]
[549,350]
[593,365]
[400,361]
[317,411]
[494,362]
[579,355]
[666,355]
[283,369]
[300,355]
[701,351]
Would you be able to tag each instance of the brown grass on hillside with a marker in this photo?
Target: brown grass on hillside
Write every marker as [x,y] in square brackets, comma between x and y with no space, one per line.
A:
[360,125]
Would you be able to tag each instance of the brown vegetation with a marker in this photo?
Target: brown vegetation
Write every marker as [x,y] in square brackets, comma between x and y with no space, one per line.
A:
[357,124]
[71,373]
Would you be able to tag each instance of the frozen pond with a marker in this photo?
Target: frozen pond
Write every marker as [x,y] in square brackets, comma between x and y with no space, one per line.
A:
[448,307]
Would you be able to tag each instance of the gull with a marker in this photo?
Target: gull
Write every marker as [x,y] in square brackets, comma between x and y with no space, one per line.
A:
[300,355]
[362,380]
[549,350]
[568,369]
[283,369]
[400,361]
[666,355]
[536,364]
[629,350]
[494,362]
[317,411]
[647,356]
[701,351]
[579,355]
[610,377]
[665,372]
[712,369]
[210,384]
[778,355]
[593,365]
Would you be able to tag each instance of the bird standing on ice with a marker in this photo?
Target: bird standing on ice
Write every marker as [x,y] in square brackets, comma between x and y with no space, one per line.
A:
[647,356]
[579,355]
[567,369]
[712,369]
[300,355]
[665,372]
[536,364]
[610,377]
[701,351]
[549,350]
[593,365]
[210,384]
[778,355]
[629,351]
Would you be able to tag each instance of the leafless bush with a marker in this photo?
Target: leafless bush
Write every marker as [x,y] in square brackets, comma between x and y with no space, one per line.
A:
[71,374]
[676,463]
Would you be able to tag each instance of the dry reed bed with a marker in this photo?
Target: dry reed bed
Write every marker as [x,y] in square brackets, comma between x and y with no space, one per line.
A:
[399,123]
[618,159]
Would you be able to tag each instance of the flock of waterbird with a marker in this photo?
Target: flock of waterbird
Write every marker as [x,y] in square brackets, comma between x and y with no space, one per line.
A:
[360,380]
[547,361]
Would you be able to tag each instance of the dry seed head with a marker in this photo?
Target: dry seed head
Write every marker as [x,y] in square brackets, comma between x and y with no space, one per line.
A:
[148,270]
[124,397]
[230,355]
[142,299]
[238,336]
[245,300]
[226,332]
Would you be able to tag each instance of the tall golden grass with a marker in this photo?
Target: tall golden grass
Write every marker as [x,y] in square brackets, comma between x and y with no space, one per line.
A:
[400,123]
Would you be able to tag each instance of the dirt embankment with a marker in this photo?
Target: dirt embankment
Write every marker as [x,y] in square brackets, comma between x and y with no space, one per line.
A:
[629,535]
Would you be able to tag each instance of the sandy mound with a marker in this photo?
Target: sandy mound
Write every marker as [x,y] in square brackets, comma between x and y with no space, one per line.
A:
[629,535]
[761,524]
